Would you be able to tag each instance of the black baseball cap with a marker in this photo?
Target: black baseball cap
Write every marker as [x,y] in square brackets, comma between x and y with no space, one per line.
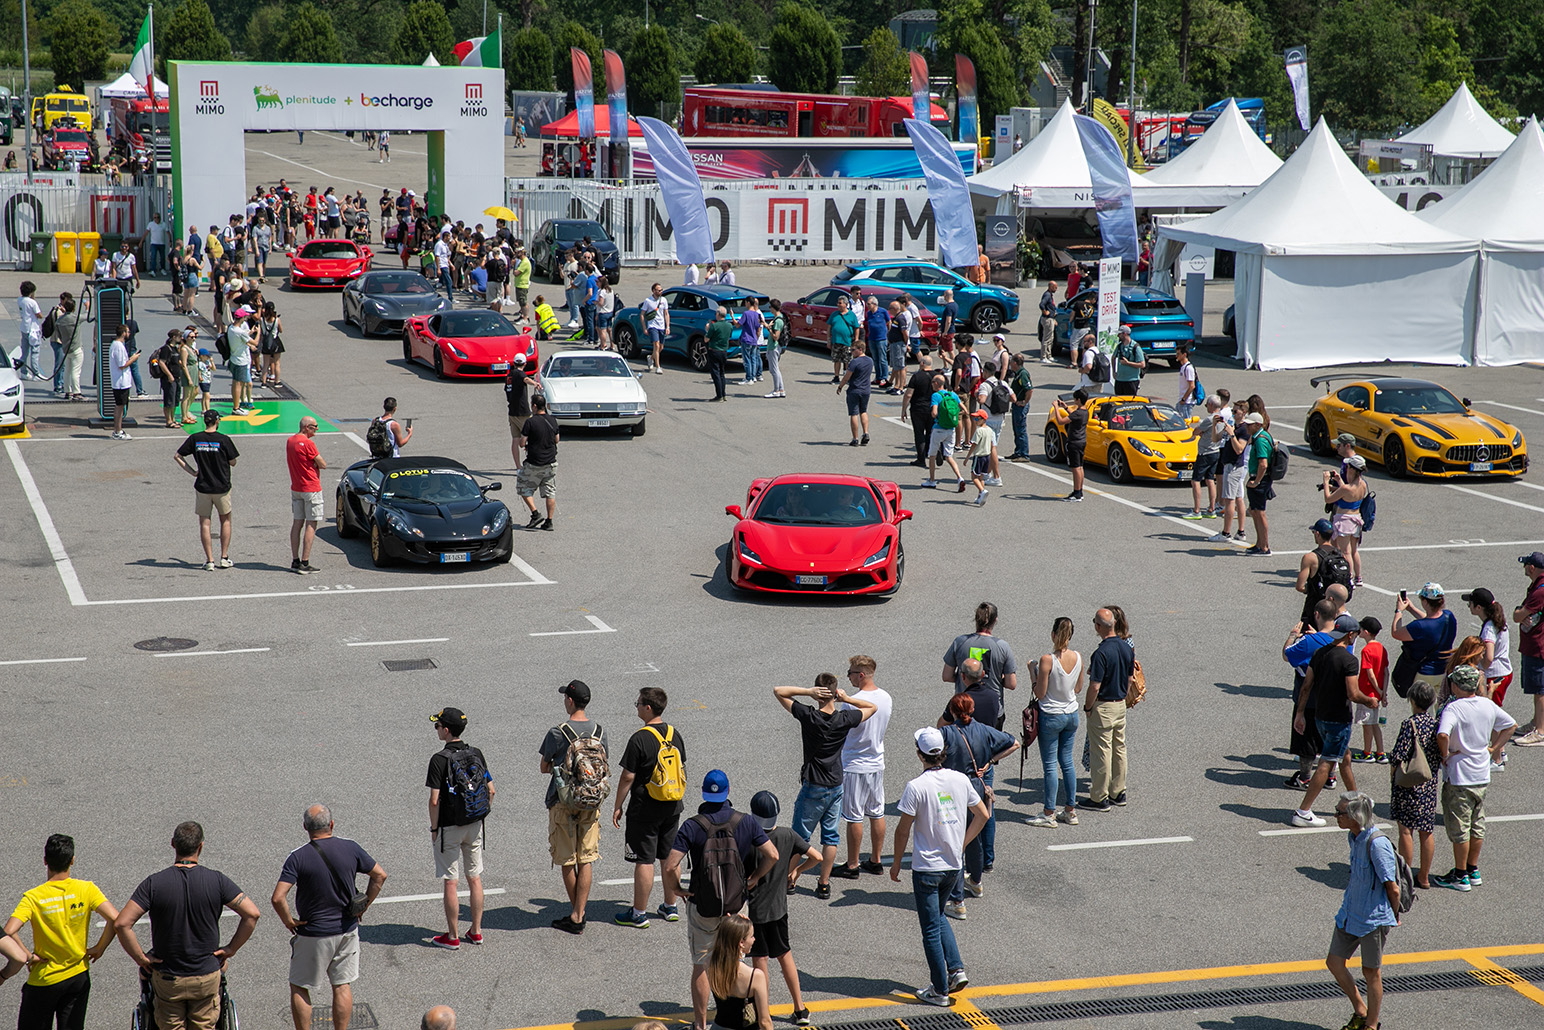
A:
[211,417]
[1536,559]
[453,719]
[765,807]
[578,690]
[1479,596]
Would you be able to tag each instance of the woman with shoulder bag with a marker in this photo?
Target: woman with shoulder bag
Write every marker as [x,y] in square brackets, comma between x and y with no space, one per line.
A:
[270,344]
[1414,807]
[972,748]
[1058,682]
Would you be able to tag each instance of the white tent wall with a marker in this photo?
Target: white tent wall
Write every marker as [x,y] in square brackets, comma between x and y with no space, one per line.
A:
[1333,309]
[1510,326]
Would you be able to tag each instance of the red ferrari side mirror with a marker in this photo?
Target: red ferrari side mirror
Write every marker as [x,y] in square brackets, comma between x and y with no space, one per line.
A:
[733,509]
[903,515]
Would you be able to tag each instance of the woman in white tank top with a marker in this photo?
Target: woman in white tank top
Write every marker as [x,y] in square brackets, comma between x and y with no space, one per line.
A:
[1058,682]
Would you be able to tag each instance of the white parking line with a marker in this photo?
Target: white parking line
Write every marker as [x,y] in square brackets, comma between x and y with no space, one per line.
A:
[600,627]
[200,654]
[56,550]
[540,580]
[387,643]
[1511,407]
[1298,831]
[1451,545]
[399,899]
[40,661]
[1530,486]
[1493,497]
[1119,843]
[616,883]
[1514,818]
[318,171]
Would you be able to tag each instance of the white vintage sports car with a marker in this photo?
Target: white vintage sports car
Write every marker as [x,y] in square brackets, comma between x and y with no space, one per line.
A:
[594,389]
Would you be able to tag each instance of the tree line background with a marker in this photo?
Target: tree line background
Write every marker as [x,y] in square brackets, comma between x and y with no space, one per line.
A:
[1374,65]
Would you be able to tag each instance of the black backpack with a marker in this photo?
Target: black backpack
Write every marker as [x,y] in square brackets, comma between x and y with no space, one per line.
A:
[719,885]
[1276,469]
[1100,373]
[1333,568]
[1000,401]
[465,797]
[222,343]
[378,438]
[50,322]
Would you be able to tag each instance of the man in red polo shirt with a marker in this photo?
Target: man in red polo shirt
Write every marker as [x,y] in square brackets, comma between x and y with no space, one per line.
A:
[305,468]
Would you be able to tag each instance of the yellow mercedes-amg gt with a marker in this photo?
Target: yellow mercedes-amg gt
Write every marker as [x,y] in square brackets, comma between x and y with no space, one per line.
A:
[1414,428]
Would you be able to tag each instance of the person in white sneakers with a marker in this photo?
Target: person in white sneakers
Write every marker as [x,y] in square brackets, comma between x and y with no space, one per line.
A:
[863,773]
[1470,735]
[936,803]
[1333,682]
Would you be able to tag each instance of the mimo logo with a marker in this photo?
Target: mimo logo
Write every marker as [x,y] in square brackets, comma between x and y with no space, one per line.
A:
[474,91]
[392,100]
[474,106]
[209,98]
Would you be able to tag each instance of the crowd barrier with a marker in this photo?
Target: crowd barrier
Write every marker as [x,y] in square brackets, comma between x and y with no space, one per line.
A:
[87,207]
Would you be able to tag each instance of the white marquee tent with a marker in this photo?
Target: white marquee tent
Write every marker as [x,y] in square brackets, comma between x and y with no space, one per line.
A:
[1461,129]
[1503,207]
[1329,271]
[125,86]
[1227,162]
[1051,166]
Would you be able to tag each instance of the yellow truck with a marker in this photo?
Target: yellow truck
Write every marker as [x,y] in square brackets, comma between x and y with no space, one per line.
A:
[63,102]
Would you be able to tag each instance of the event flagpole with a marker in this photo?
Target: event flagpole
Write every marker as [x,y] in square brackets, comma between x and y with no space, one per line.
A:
[26,79]
[150,82]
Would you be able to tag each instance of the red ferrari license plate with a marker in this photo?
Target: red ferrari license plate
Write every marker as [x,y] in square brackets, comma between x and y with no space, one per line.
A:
[810,581]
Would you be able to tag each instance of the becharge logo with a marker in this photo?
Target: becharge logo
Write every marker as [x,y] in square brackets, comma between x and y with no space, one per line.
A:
[391,100]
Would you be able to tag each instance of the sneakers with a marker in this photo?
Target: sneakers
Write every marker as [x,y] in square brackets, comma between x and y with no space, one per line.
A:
[546,524]
[1211,513]
[823,891]
[567,925]
[1262,551]
[973,887]
[1329,784]
[1067,818]
[956,909]
[929,484]
[1358,755]
[536,520]
[958,981]
[1040,819]
[1219,538]
[993,481]
[928,996]
[1533,738]
[121,435]
[1474,877]
[474,938]
[1381,758]
[208,566]
[226,563]
[845,872]
[865,439]
[658,371]
[1306,819]
[1192,516]
[295,565]
[630,917]
[1119,800]
[303,568]
[873,867]
[1095,806]
[801,1017]
[669,913]
[1075,497]
[980,499]
[1239,535]
[1457,880]
[1297,781]
[446,941]
[961,487]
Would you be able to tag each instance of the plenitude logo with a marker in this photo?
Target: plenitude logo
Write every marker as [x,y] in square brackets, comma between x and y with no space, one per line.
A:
[392,100]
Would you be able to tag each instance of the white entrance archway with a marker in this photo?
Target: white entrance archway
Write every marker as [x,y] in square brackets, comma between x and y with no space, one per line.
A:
[212,104]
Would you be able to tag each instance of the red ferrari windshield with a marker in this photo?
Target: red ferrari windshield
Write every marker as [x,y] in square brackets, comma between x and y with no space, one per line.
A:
[819,504]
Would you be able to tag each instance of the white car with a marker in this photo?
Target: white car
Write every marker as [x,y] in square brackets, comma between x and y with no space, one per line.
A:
[13,397]
[595,389]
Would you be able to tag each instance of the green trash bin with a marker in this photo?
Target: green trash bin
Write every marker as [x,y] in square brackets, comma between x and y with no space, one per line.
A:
[111,241]
[43,252]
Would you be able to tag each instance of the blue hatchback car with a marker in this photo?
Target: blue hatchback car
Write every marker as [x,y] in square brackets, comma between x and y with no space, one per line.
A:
[691,309]
[984,308]
[1158,320]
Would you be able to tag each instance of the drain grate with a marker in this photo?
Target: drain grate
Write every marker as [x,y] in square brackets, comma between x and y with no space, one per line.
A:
[363,1018]
[166,644]
[1147,1004]
[409,664]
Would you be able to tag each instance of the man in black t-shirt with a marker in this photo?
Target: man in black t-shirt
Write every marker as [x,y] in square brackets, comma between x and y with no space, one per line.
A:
[184,903]
[517,393]
[1331,681]
[651,821]
[916,407]
[325,951]
[455,840]
[213,455]
[539,474]
[823,731]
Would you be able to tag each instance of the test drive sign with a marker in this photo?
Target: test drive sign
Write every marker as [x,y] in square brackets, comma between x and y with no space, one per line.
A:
[1109,303]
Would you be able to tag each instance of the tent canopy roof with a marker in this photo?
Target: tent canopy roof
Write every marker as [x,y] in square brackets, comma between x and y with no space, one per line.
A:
[1318,203]
[1461,129]
[125,86]
[1053,158]
[1229,153]
[1505,202]
[568,125]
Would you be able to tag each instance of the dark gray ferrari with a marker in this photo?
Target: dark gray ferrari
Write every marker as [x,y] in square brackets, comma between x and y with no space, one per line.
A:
[379,302]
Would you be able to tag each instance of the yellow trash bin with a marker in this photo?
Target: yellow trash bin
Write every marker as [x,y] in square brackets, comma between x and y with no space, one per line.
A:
[66,245]
[89,242]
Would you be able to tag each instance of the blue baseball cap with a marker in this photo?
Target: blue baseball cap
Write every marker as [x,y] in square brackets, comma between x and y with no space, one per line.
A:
[715,786]
[1323,528]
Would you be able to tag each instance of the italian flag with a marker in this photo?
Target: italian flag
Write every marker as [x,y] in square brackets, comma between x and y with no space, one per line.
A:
[142,64]
[482,52]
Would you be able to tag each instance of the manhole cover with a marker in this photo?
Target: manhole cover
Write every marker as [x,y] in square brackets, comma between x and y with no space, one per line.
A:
[409,664]
[363,1019]
[166,644]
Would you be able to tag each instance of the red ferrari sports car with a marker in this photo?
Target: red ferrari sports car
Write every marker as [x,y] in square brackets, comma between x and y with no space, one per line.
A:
[473,342]
[808,317]
[818,534]
[329,263]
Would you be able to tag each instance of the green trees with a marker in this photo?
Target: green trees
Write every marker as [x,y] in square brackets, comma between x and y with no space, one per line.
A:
[570,35]
[528,59]
[1360,66]
[962,28]
[886,70]
[79,38]
[309,36]
[425,30]
[189,35]
[724,55]
[805,53]
[652,77]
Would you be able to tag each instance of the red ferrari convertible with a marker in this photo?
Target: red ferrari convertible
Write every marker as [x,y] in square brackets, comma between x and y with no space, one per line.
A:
[329,263]
[809,317]
[818,534]
[473,342]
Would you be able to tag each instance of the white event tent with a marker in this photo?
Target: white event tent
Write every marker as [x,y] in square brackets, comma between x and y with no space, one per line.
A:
[125,86]
[1503,207]
[1051,166]
[1462,128]
[1329,271]
[1227,162]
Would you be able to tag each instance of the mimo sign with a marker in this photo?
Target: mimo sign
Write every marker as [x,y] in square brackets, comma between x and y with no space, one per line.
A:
[214,103]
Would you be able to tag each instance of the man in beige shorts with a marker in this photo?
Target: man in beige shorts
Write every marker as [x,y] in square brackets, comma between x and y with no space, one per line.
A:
[213,454]
[573,832]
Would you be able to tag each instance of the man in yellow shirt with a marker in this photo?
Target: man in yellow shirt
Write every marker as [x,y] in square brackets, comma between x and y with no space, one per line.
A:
[59,910]
[214,249]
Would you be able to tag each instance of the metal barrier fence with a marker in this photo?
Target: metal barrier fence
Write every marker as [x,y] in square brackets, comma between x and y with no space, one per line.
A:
[89,207]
